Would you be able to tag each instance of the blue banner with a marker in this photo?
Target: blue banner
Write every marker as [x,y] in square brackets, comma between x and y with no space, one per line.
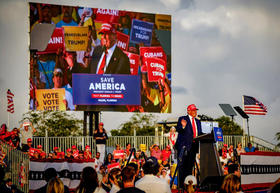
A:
[218,133]
[106,89]
[141,32]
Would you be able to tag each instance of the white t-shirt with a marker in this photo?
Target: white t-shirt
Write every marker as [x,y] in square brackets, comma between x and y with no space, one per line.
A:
[152,184]
[26,134]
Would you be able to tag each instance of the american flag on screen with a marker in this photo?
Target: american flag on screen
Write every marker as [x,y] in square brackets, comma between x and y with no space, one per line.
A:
[10,96]
[253,106]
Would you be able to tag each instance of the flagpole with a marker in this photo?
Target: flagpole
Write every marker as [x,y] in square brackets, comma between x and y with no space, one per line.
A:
[8,120]
[242,117]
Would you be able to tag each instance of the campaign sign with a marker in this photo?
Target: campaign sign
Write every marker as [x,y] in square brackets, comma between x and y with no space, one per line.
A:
[56,41]
[218,133]
[51,99]
[123,41]
[107,15]
[118,154]
[134,60]
[156,69]
[106,89]
[151,52]
[76,38]
[141,32]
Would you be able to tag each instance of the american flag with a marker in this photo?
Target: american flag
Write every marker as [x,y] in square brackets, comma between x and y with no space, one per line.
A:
[10,96]
[253,106]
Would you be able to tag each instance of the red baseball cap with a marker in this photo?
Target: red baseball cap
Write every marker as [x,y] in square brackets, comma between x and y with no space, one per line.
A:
[225,145]
[87,147]
[68,150]
[39,146]
[29,140]
[55,148]
[74,147]
[101,123]
[192,107]
[107,28]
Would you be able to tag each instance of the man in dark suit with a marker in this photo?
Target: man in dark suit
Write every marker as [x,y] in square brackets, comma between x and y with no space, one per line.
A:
[188,127]
[109,58]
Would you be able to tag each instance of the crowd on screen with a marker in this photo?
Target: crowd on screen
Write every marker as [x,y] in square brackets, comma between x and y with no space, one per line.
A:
[53,70]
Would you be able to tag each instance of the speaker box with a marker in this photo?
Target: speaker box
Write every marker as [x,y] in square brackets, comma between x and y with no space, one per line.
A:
[211,183]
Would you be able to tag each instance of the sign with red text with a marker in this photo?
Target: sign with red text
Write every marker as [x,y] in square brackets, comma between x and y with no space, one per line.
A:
[134,60]
[56,41]
[118,154]
[112,166]
[156,69]
[107,15]
[151,52]
[123,41]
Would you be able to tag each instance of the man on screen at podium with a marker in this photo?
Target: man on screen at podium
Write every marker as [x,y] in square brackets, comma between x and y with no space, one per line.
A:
[188,127]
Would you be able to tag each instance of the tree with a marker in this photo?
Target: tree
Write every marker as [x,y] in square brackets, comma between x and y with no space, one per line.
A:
[57,123]
[229,127]
[144,124]
[277,137]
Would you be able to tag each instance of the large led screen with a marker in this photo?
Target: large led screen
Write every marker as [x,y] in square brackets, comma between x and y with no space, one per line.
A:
[94,59]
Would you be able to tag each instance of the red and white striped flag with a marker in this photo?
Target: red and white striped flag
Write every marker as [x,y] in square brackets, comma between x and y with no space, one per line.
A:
[253,106]
[10,96]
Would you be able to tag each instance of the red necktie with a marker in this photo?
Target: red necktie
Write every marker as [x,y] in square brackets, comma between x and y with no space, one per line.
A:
[194,129]
[102,65]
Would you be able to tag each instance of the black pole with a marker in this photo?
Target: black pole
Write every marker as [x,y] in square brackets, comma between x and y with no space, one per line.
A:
[85,124]
[248,131]
[96,119]
[90,123]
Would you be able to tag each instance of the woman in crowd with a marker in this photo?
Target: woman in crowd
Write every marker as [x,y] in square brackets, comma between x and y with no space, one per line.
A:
[55,185]
[89,182]
[108,159]
[231,184]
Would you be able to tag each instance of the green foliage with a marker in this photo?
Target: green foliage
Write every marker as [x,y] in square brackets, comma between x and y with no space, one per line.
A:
[277,137]
[144,124]
[229,127]
[58,123]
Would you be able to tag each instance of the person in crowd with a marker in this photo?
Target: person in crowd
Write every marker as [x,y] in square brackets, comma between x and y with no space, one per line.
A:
[234,169]
[13,139]
[26,130]
[46,66]
[89,181]
[57,81]
[155,151]
[165,154]
[164,175]
[75,152]
[55,185]
[238,151]
[7,186]
[49,174]
[56,153]
[67,19]
[231,151]
[116,152]
[3,131]
[223,150]
[97,162]
[188,128]
[128,177]
[172,137]
[137,171]
[87,153]
[27,146]
[231,184]
[81,155]
[101,174]
[150,183]
[190,182]
[100,136]
[114,179]
[40,148]
[69,154]
[45,16]
[127,149]
[224,158]
[108,159]
[275,188]
[249,148]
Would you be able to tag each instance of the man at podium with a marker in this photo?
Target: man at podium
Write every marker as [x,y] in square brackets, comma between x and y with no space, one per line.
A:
[188,128]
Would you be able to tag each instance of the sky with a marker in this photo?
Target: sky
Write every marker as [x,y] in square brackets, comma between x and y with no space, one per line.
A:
[221,50]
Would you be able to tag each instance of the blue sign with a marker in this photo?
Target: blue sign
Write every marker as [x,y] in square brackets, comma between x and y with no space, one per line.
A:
[141,32]
[218,134]
[106,89]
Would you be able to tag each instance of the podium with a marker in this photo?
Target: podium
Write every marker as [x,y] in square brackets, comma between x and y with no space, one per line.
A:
[211,173]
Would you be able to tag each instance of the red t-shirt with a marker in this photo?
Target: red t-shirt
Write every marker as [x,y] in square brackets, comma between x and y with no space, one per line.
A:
[165,154]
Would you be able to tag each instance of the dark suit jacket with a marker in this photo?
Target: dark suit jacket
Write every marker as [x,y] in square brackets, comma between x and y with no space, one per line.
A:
[185,135]
[119,62]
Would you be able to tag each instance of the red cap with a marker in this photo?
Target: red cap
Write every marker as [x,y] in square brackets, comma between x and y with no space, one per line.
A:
[42,154]
[55,148]
[39,146]
[101,123]
[68,150]
[168,146]
[29,140]
[87,147]
[225,145]
[107,28]
[192,107]
[74,147]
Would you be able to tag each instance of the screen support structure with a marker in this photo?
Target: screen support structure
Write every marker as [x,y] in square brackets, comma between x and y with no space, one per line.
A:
[244,116]
[90,114]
